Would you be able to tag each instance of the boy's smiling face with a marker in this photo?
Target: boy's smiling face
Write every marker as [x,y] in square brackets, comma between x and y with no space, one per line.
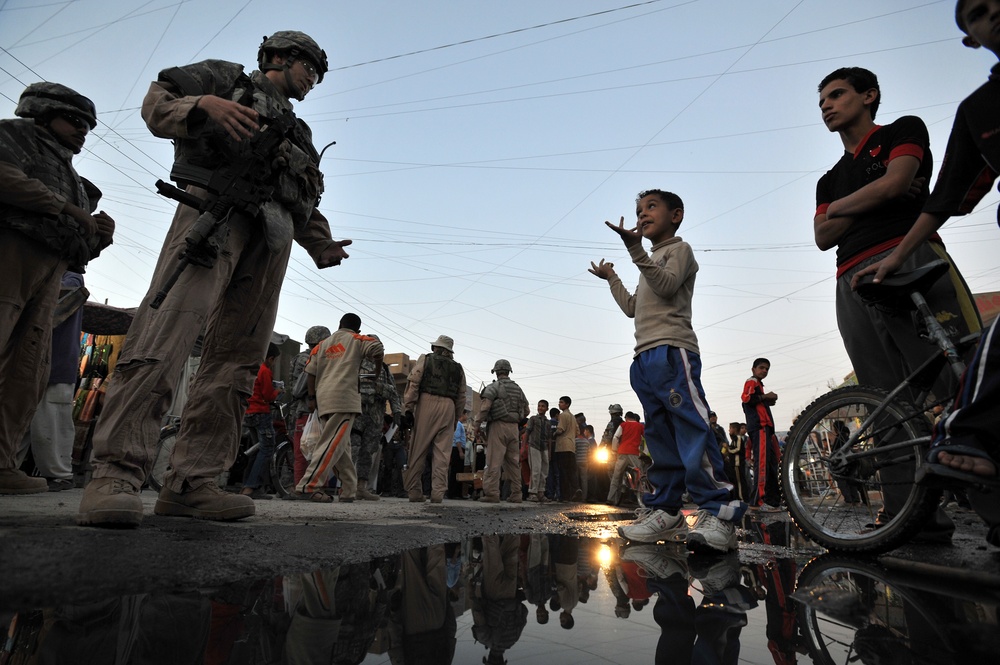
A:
[655,220]
[982,22]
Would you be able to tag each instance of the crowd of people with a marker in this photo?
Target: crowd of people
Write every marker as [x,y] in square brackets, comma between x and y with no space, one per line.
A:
[251,185]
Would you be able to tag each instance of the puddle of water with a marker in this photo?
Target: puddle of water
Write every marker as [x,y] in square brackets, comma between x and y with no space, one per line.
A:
[546,599]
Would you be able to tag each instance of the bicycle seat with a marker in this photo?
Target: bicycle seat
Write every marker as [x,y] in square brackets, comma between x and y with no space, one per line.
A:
[898,287]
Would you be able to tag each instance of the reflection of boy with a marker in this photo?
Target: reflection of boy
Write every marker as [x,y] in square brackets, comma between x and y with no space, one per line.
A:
[971,165]
[764,491]
[666,376]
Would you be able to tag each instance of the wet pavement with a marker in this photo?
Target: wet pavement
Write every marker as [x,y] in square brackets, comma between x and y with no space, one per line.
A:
[462,582]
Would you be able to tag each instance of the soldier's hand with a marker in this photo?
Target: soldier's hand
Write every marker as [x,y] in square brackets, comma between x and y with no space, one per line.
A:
[602,269]
[333,254]
[105,228]
[239,121]
[87,222]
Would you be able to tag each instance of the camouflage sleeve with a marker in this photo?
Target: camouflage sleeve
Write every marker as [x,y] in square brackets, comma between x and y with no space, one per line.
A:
[412,391]
[314,236]
[16,188]
[391,394]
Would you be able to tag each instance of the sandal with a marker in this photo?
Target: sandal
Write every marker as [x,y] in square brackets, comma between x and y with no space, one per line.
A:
[935,474]
[320,497]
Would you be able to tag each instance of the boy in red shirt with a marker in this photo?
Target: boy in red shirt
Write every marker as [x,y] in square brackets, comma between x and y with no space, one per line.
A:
[258,416]
[627,440]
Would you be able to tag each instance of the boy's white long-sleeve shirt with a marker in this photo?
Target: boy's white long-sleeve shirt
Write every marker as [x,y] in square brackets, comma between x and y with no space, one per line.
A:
[661,305]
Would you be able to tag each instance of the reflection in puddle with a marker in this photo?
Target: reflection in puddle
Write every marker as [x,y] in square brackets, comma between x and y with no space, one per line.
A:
[530,599]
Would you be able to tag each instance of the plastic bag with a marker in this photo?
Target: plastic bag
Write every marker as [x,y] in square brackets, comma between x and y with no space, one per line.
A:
[310,435]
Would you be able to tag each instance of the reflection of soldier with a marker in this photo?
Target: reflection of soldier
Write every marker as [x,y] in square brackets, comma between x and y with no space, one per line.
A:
[377,387]
[503,405]
[497,608]
[153,630]
[435,393]
[422,622]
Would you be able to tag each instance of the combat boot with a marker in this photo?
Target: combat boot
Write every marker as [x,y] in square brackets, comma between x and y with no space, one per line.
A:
[15,481]
[205,502]
[110,502]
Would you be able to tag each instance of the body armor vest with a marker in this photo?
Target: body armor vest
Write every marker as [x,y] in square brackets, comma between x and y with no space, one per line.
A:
[41,157]
[297,186]
[442,376]
[507,401]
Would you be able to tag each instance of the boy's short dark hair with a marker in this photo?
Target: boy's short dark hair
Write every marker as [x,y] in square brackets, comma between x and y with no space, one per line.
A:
[758,361]
[272,350]
[959,19]
[672,200]
[553,412]
[861,79]
[566,399]
[351,321]
[631,415]
[545,402]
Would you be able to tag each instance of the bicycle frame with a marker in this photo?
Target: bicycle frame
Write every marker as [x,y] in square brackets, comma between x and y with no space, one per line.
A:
[930,368]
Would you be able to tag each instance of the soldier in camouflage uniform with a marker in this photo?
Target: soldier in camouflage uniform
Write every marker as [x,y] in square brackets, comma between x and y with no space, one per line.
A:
[377,387]
[46,226]
[208,109]
[502,405]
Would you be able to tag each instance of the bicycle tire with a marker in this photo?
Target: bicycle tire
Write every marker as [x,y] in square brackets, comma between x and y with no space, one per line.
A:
[283,469]
[855,596]
[815,492]
[161,465]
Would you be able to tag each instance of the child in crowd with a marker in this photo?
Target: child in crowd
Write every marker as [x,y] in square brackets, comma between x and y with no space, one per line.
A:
[764,491]
[627,440]
[666,376]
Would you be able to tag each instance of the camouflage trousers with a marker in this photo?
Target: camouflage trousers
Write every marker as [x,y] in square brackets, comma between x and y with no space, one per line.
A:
[366,435]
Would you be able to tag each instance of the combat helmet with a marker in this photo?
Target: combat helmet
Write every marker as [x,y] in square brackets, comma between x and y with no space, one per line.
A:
[294,43]
[615,408]
[501,366]
[40,99]
[317,334]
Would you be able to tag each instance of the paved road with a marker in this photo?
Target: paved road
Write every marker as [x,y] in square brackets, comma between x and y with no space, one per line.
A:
[46,559]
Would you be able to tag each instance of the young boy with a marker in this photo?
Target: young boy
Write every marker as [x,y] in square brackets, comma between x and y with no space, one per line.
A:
[966,446]
[627,440]
[258,416]
[666,376]
[764,492]
[565,456]
[538,434]
[333,392]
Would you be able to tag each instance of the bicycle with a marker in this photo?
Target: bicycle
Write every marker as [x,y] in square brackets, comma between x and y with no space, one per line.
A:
[281,471]
[851,488]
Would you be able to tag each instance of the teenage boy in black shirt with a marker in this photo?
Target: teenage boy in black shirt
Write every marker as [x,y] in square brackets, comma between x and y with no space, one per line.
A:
[967,443]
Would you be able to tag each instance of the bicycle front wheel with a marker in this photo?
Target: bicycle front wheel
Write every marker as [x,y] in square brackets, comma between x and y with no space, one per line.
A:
[283,469]
[161,465]
[865,500]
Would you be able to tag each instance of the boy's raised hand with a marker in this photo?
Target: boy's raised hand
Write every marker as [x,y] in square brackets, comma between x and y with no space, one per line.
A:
[602,269]
[631,237]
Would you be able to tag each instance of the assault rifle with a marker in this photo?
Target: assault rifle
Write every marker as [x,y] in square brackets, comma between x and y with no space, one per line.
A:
[242,185]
